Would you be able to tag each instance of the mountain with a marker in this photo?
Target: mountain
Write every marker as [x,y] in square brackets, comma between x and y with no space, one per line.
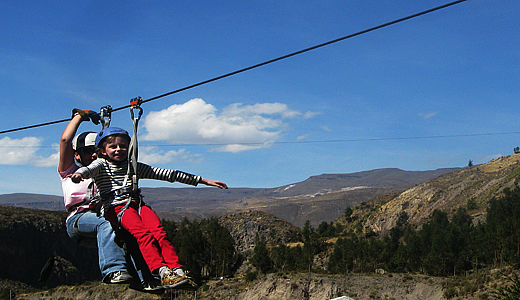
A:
[318,199]
[470,188]
[37,201]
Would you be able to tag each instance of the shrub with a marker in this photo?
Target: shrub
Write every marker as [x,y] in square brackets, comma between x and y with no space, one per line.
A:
[510,292]
[250,276]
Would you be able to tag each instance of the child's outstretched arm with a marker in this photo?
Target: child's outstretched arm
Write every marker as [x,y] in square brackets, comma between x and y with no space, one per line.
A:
[219,184]
[146,171]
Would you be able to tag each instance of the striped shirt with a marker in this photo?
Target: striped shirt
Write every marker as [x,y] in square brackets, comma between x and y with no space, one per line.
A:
[110,177]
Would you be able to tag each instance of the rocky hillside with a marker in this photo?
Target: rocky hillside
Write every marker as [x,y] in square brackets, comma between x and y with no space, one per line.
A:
[318,199]
[470,188]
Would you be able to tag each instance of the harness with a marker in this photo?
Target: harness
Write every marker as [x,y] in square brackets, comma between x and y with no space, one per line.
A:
[126,193]
[133,192]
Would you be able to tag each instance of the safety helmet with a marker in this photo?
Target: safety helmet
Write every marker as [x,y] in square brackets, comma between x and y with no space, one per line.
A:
[85,139]
[108,132]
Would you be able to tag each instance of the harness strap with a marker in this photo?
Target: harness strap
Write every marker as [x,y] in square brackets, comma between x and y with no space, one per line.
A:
[132,193]
[135,194]
[76,228]
[81,235]
[139,201]
[133,149]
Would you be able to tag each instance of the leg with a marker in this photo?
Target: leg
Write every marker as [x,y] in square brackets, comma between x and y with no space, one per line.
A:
[135,256]
[111,255]
[137,266]
[153,223]
[150,249]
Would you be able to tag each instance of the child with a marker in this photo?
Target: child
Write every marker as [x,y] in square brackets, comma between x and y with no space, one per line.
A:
[110,173]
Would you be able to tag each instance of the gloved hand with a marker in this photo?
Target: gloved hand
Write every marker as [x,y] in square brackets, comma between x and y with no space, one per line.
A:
[87,115]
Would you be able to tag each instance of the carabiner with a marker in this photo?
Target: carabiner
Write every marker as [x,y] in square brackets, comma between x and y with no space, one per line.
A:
[105,113]
[136,104]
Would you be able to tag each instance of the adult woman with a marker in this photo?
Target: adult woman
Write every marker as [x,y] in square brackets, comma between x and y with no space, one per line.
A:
[83,224]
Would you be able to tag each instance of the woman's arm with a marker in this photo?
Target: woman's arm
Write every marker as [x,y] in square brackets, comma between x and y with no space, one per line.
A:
[66,158]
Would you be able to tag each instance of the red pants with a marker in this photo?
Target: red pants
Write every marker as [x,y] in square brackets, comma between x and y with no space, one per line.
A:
[153,242]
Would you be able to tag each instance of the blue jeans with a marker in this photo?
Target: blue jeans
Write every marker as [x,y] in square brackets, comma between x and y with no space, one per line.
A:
[91,227]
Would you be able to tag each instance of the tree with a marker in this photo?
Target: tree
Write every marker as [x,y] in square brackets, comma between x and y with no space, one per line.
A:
[312,244]
[326,229]
[205,248]
[323,228]
[261,259]
[191,245]
[295,259]
[348,213]
[279,256]
[503,227]
[220,250]
[470,163]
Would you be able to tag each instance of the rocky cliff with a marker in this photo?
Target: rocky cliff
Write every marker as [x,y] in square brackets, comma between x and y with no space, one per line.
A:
[28,237]
[244,227]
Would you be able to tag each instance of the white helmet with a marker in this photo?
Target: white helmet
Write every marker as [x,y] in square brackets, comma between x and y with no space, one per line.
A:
[85,139]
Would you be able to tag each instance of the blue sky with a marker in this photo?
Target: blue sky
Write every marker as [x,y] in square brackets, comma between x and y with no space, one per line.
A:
[432,92]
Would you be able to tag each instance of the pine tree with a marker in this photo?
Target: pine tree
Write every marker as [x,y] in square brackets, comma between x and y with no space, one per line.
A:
[220,250]
[260,258]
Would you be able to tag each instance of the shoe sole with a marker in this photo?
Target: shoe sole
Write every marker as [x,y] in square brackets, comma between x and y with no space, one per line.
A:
[156,291]
[120,282]
[181,285]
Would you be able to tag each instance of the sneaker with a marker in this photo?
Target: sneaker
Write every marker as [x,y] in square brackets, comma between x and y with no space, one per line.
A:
[171,280]
[153,287]
[118,277]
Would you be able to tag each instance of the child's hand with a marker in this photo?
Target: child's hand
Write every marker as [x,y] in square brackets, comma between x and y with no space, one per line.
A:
[219,184]
[76,177]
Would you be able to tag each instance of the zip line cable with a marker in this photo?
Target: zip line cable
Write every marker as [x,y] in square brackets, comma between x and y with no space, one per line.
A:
[313,141]
[260,64]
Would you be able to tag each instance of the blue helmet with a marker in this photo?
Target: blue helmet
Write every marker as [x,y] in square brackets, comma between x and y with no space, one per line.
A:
[108,132]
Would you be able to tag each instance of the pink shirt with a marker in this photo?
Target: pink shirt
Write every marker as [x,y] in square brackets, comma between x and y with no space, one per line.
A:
[74,193]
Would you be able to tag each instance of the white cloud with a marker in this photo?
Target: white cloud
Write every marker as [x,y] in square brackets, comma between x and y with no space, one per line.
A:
[428,115]
[260,109]
[326,128]
[23,152]
[303,136]
[235,148]
[311,114]
[51,161]
[238,127]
